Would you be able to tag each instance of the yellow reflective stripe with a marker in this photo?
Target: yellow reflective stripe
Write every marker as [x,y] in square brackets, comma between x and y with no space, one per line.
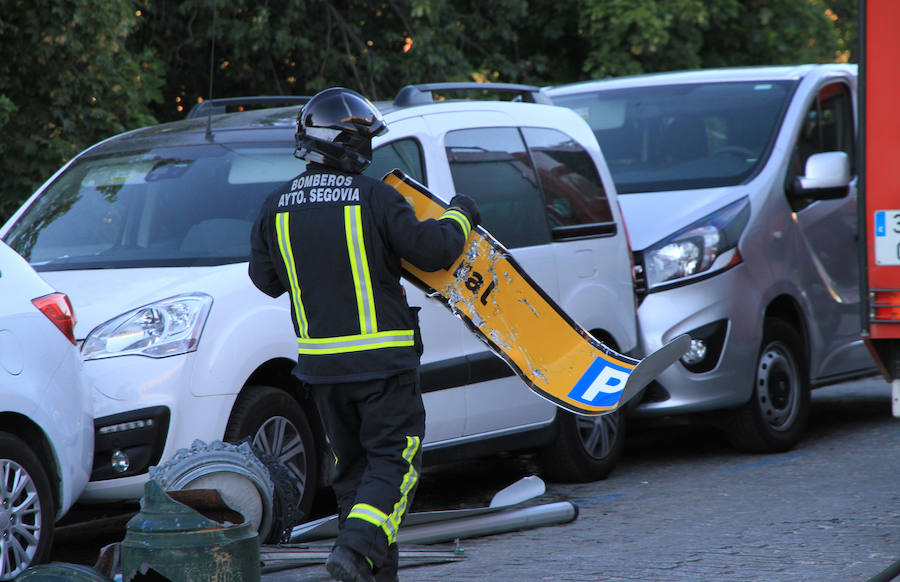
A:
[355,343]
[390,524]
[282,227]
[460,218]
[376,517]
[409,481]
[359,266]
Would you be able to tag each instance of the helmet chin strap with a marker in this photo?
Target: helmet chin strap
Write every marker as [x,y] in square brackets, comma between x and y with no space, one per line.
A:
[309,155]
[345,158]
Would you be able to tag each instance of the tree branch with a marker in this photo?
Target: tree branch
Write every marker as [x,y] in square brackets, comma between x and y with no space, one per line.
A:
[348,37]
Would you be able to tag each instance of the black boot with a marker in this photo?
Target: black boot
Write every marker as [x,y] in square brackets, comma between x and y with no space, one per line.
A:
[348,566]
[388,572]
[387,575]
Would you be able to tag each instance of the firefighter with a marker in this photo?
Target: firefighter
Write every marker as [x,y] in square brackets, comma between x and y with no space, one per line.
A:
[333,239]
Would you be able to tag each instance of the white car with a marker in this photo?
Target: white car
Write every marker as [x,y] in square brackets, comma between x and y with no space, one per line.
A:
[148,232]
[46,415]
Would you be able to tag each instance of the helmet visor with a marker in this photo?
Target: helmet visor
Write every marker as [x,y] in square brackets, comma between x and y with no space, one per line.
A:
[345,110]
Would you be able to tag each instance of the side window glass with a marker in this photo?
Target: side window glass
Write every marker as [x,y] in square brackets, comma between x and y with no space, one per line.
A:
[808,142]
[404,154]
[492,166]
[837,124]
[572,187]
[828,127]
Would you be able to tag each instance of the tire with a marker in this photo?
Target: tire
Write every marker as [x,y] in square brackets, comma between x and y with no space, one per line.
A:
[586,448]
[235,469]
[276,425]
[776,416]
[27,508]
[286,511]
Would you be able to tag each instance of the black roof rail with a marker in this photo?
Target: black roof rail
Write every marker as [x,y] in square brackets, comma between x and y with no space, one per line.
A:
[422,94]
[217,106]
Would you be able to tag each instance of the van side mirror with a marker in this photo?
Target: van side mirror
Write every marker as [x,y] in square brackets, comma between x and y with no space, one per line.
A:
[827,177]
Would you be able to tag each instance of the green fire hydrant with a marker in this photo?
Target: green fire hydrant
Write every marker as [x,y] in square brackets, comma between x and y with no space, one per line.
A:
[171,540]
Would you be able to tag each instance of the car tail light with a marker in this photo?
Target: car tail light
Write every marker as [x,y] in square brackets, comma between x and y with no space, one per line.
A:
[58,309]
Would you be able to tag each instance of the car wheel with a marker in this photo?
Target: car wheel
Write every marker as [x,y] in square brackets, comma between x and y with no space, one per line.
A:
[776,415]
[27,508]
[276,425]
[586,448]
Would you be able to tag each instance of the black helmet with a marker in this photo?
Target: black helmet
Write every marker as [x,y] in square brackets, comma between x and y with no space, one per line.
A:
[336,127]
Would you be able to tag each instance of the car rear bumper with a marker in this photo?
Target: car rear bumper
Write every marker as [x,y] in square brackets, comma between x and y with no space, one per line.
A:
[73,429]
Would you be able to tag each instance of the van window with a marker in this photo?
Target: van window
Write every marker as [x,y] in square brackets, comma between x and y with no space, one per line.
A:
[680,137]
[828,127]
[492,166]
[572,187]
[403,154]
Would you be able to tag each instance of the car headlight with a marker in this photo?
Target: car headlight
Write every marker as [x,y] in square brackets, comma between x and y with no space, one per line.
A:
[705,247]
[165,328]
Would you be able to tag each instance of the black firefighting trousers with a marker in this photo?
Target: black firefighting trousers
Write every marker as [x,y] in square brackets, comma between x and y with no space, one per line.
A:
[375,429]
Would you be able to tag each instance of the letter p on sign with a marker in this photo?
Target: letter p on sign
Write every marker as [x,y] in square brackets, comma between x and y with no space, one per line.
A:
[601,384]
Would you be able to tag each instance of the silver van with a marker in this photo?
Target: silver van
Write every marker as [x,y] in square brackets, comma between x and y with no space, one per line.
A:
[738,188]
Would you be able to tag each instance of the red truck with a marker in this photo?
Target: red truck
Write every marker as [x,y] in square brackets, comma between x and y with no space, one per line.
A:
[879,187]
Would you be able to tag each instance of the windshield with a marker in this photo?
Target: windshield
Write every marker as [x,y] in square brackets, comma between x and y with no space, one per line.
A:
[678,137]
[177,206]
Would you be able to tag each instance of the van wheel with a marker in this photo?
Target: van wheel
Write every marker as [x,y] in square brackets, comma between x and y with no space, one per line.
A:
[775,417]
[276,425]
[586,448]
[27,508]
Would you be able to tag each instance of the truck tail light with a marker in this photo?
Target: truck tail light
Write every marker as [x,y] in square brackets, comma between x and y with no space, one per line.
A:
[884,305]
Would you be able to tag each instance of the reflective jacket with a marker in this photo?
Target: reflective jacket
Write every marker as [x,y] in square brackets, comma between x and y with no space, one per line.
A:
[334,241]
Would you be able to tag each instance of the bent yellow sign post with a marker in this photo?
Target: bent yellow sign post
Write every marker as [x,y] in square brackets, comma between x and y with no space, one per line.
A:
[503,307]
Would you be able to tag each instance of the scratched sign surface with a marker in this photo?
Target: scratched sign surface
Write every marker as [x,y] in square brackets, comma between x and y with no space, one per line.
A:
[503,306]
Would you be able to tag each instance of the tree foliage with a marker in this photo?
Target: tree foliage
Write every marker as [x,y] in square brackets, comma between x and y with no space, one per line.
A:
[627,37]
[376,46]
[66,81]
[300,47]
[76,71]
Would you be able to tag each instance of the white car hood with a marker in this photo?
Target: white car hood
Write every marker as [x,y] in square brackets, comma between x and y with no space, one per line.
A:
[653,216]
[98,295]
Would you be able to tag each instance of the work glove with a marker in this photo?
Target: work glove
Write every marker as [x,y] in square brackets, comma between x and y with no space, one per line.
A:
[468,207]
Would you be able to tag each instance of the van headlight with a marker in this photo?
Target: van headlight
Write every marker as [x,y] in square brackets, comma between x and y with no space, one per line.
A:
[165,328]
[703,248]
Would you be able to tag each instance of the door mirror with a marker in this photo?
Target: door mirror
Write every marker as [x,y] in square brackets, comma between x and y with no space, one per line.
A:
[827,177]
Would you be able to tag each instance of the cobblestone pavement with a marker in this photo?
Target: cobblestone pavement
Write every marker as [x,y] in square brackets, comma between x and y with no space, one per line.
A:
[682,505]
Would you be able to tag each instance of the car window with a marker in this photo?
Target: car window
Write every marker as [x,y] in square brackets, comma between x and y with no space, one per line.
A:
[678,137]
[827,127]
[493,167]
[403,154]
[572,187]
[175,206]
